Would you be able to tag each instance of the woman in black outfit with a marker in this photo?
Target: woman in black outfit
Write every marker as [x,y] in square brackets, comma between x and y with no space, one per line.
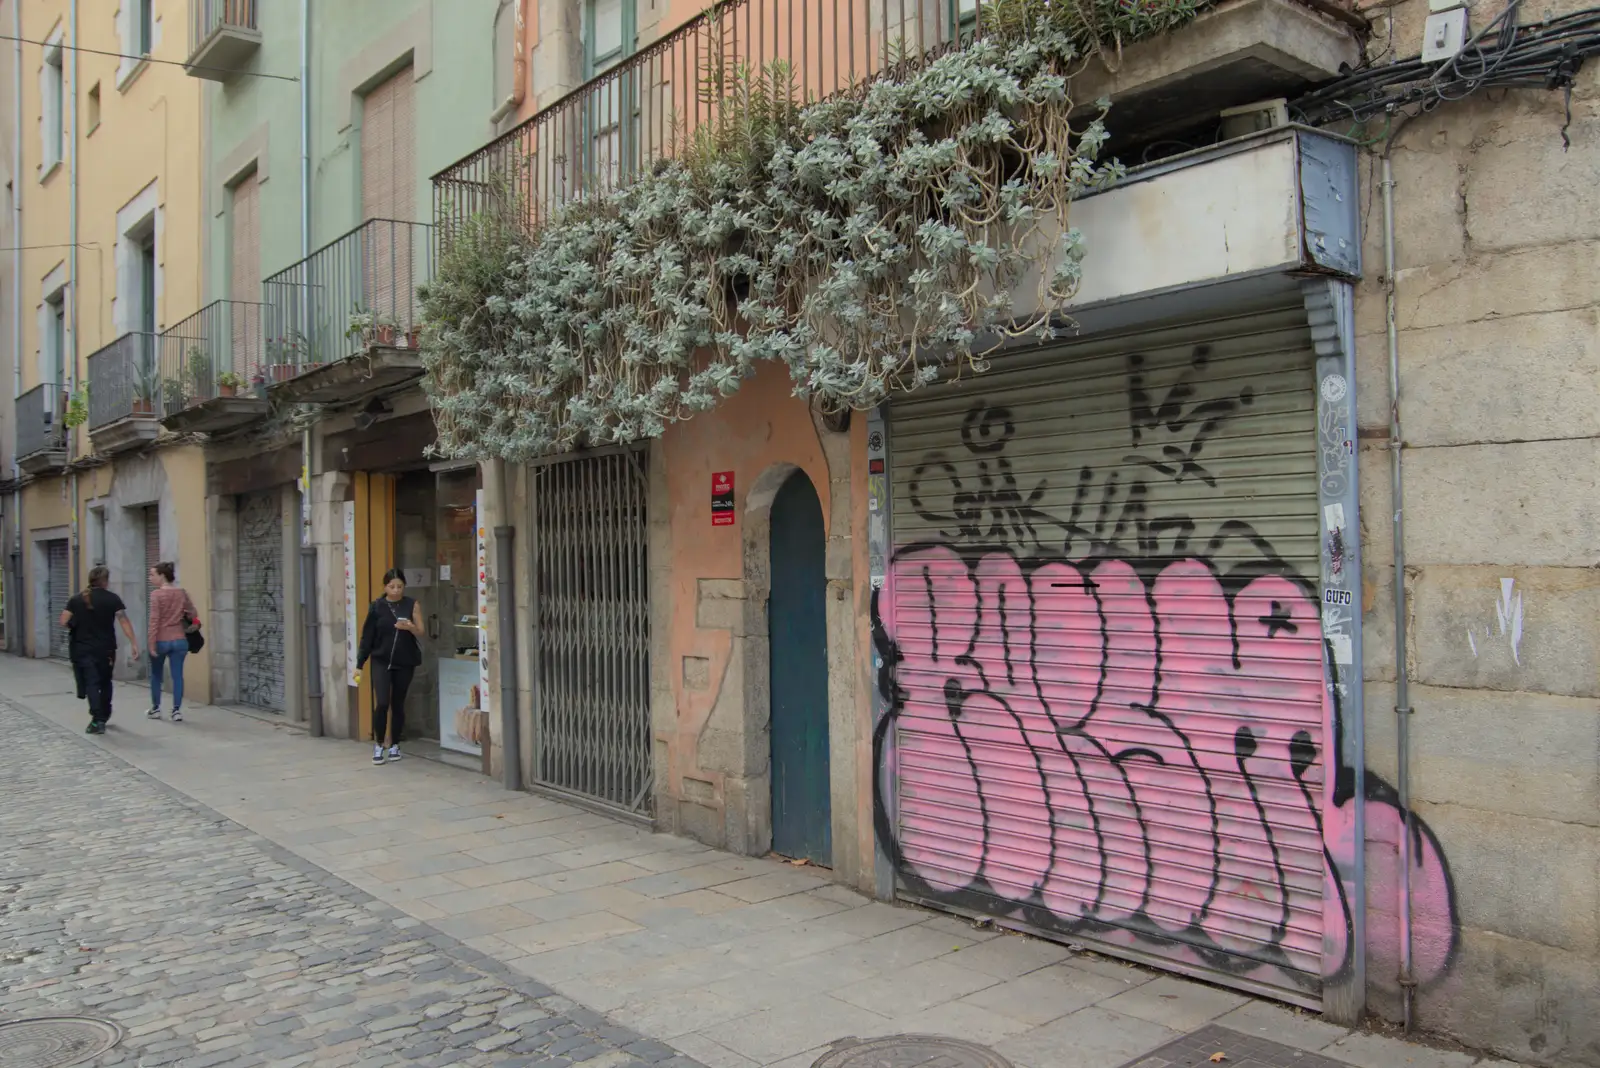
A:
[391,639]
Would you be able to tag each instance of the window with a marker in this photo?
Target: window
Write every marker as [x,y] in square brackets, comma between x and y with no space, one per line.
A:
[94,107]
[608,35]
[55,342]
[52,90]
[608,39]
[144,37]
[97,536]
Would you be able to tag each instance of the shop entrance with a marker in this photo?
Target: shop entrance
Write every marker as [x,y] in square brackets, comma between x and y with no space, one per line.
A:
[426,523]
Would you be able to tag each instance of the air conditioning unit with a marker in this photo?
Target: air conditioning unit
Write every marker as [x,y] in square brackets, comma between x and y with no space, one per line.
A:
[1253,118]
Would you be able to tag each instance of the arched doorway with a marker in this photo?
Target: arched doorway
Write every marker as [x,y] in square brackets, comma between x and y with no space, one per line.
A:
[802,824]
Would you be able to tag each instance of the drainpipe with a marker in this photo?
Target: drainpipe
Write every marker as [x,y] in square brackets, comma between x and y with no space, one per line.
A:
[308,550]
[13,640]
[72,365]
[1402,686]
[505,593]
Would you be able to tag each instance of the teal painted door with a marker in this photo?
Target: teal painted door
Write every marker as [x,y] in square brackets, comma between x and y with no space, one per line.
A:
[802,823]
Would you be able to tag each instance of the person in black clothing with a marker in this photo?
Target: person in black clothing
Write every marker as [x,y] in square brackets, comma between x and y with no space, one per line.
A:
[392,639]
[93,617]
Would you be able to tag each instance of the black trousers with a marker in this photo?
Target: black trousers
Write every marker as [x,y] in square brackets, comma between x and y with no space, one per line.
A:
[389,686]
[94,670]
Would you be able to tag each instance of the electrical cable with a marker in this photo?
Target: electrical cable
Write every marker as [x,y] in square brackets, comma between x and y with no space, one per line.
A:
[148,59]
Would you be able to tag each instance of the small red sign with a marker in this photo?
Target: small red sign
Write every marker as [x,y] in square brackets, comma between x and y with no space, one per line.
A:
[722,499]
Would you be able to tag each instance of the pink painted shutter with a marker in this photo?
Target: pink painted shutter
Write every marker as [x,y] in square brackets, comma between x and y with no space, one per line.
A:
[1107,655]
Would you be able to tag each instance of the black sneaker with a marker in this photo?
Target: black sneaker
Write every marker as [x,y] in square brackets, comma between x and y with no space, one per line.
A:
[377,754]
[95,727]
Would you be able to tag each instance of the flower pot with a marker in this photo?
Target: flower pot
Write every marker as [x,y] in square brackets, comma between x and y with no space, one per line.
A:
[143,407]
[282,372]
[385,335]
[226,391]
[260,387]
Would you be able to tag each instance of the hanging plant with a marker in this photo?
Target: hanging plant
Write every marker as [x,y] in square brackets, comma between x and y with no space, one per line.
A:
[866,242]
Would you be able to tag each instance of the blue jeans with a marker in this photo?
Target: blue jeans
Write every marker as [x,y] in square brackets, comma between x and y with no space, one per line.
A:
[174,651]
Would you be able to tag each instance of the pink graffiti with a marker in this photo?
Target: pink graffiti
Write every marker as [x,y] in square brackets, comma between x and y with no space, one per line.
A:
[1145,744]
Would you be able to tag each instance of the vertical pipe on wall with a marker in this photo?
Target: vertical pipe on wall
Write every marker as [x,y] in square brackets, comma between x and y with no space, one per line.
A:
[14,641]
[308,550]
[72,290]
[505,592]
[1402,687]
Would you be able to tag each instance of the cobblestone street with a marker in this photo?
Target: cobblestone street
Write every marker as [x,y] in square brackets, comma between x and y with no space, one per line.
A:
[231,892]
[210,946]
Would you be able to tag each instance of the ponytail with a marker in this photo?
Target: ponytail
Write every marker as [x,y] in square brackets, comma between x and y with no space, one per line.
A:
[99,578]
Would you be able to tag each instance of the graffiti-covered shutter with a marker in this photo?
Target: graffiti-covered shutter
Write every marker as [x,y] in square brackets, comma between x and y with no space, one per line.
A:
[260,593]
[59,593]
[1105,649]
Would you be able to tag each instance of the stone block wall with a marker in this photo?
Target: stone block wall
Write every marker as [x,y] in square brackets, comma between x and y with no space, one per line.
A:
[1498,310]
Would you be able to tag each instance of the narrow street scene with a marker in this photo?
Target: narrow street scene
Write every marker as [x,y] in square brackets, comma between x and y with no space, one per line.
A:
[817,533]
[209,908]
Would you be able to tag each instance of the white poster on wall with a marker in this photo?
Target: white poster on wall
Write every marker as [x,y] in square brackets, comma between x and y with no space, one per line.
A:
[483,608]
[352,622]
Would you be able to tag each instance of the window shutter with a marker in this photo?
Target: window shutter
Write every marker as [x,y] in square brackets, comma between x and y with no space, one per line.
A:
[244,275]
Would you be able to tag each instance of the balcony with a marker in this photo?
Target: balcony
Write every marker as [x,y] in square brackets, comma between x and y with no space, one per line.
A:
[124,385]
[644,109]
[343,323]
[41,430]
[212,369]
[222,38]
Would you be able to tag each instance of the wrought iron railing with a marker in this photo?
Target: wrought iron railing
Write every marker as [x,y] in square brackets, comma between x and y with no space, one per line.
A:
[354,294]
[124,380]
[218,351]
[40,420]
[649,106]
[206,17]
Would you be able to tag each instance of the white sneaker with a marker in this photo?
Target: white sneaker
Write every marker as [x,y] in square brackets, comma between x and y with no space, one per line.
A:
[177,715]
[394,753]
[154,713]
[377,754]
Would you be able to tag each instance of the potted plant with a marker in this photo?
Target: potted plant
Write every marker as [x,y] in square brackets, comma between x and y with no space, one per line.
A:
[280,359]
[228,384]
[258,382]
[175,395]
[414,336]
[200,385]
[145,387]
[361,326]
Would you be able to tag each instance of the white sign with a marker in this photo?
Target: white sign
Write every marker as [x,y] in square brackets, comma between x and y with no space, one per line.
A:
[483,606]
[352,625]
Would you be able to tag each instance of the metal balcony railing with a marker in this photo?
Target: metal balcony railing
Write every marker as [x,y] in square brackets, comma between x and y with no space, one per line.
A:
[649,105]
[218,351]
[123,380]
[40,427]
[353,295]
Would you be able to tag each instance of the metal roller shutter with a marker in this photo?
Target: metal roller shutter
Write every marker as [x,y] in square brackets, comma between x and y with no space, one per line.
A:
[1106,658]
[260,578]
[59,593]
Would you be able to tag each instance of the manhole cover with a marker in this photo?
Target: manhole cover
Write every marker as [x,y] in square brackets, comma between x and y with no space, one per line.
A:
[55,1041]
[912,1051]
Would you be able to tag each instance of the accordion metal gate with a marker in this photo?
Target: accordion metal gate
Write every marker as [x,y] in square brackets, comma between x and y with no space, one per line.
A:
[591,630]
[260,593]
[59,558]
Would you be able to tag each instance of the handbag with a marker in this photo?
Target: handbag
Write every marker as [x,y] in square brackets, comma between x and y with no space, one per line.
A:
[191,631]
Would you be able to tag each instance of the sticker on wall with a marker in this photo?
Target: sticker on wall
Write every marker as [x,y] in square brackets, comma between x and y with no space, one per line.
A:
[351,622]
[1334,388]
[722,499]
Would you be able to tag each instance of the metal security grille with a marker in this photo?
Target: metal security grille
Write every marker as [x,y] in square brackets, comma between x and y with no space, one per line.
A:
[592,630]
[152,537]
[58,594]
[1107,662]
[260,592]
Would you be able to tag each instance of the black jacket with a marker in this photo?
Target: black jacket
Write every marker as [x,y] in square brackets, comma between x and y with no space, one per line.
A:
[380,639]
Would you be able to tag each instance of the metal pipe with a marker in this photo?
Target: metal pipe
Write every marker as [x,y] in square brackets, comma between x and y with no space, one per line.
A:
[510,724]
[308,551]
[73,294]
[14,640]
[1402,688]
[308,586]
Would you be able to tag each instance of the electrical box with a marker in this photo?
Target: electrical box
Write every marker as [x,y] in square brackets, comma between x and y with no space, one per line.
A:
[1252,118]
[1445,32]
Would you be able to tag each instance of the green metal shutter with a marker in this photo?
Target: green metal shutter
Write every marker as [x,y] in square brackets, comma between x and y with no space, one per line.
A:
[1105,656]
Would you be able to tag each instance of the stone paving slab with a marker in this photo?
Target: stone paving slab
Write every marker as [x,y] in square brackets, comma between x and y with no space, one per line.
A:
[123,900]
[737,961]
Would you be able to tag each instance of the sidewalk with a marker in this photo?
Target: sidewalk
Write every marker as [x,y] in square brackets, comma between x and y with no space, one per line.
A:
[736,962]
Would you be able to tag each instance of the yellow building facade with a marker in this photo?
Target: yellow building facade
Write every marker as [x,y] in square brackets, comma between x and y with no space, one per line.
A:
[110,265]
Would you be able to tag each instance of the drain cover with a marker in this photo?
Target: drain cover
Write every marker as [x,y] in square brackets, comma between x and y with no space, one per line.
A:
[55,1041]
[912,1051]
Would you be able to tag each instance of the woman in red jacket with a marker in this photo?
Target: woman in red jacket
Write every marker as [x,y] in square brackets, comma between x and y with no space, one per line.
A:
[171,615]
